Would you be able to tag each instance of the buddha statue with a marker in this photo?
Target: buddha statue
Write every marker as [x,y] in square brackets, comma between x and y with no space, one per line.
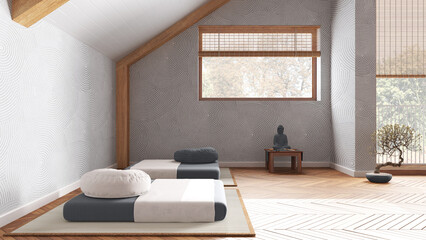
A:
[280,140]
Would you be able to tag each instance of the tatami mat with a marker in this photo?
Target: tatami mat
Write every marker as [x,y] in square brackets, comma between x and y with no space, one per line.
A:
[52,223]
[227,177]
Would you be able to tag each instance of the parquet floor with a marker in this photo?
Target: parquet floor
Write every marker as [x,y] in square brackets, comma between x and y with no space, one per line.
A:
[318,204]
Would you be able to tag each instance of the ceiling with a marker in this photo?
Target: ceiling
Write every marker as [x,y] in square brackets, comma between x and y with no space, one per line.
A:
[114,27]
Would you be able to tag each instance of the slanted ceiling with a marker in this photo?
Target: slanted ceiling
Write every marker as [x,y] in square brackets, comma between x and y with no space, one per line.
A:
[115,28]
[126,31]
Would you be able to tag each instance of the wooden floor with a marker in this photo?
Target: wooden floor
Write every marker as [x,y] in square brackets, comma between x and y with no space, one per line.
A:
[318,204]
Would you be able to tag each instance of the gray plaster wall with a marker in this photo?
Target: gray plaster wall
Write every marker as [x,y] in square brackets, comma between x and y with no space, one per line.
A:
[57,114]
[166,115]
[353,83]
[365,85]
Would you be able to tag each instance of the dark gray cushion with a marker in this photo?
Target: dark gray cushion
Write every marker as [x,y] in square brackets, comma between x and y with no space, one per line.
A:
[220,205]
[199,170]
[196,155]
[86,209]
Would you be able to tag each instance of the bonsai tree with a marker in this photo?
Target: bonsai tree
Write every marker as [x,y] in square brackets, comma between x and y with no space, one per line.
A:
[395,138]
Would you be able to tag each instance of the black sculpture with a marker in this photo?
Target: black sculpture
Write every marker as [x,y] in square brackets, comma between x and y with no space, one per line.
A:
[280,140]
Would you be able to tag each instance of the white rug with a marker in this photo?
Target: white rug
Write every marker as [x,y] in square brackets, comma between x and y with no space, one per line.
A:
[375,216]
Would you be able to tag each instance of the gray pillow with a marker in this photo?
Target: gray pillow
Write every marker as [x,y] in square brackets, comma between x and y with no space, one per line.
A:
[196,155]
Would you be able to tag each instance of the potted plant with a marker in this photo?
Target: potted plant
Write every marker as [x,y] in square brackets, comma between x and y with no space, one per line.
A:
[389,140]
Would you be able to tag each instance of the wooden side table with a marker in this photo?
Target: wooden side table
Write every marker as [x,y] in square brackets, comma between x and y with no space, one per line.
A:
[295,156]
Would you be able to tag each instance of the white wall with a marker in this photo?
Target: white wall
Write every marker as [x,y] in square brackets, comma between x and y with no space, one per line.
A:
[343,82]
[57,111]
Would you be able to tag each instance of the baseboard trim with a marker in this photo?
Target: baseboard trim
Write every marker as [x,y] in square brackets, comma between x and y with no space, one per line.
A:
[21,211]
[348,171]
[342,169]
[277,164]
[361,174]
[36,204]
[335,166]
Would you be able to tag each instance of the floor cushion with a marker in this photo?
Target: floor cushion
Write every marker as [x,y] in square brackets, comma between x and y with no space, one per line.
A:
[169,200]
[113,183]
[196,155]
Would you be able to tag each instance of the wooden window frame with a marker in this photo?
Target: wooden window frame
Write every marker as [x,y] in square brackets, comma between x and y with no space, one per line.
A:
[315,53]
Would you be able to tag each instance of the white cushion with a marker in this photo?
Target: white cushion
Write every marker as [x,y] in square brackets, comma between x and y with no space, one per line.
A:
[113,183]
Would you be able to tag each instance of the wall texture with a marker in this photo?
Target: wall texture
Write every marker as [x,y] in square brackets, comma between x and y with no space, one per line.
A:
[343,81]
[165,114]
[365,84]
[353,83]
[57,111]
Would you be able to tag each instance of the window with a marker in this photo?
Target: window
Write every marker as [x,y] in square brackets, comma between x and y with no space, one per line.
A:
[400,39]
[401,70]
[258,62]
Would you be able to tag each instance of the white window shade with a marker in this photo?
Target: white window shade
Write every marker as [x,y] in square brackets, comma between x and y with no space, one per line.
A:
[286,41]
[400,39]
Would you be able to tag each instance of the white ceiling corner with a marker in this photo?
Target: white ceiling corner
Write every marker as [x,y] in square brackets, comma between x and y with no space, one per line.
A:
[117,27]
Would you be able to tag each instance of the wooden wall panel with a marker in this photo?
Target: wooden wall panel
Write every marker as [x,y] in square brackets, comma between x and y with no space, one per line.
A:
[122,116]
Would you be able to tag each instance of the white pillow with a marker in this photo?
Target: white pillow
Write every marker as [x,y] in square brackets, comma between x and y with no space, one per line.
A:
[113,183]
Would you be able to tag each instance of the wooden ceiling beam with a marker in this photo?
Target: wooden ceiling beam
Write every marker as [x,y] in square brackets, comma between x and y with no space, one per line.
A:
[123,78]
[172,31]
[28,12]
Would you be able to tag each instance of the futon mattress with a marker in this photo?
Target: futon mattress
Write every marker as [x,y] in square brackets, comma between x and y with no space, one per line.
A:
[169,200]
[171,169]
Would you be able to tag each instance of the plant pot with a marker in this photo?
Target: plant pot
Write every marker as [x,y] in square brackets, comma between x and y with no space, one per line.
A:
[378,177]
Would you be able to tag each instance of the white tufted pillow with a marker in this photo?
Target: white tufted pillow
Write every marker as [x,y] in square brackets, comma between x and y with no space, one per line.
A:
[113,183]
